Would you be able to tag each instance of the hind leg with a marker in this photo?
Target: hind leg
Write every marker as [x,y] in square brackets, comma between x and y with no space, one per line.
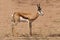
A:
[16,19]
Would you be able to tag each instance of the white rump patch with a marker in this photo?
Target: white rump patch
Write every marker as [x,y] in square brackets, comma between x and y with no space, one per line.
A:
[12,15]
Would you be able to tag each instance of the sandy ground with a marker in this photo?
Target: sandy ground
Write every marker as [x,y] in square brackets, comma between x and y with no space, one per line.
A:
[42,27]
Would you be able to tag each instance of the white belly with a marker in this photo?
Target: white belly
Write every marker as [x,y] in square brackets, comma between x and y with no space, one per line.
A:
[22,19]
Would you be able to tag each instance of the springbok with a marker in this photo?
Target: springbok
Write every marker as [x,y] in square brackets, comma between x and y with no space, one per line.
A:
[17,17]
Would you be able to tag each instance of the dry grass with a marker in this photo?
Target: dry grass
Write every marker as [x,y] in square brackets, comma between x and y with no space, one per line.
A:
[43,26]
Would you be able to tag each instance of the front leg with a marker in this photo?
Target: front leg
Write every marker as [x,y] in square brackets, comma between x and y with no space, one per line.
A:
[30,26]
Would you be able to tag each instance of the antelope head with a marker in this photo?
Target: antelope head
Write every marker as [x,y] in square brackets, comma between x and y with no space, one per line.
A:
[39,10]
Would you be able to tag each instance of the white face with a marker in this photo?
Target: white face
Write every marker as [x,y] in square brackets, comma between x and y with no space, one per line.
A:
[40,13]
